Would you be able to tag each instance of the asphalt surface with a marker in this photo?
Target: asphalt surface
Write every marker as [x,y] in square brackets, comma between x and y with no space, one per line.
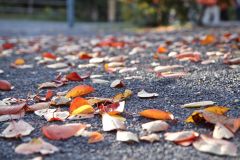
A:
[215,82]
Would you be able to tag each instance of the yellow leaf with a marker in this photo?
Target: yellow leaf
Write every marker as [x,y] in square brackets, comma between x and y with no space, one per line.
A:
[19,61]
[85,109]
[217,109]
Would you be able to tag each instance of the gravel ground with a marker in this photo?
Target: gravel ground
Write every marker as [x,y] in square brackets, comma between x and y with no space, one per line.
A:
[216,82]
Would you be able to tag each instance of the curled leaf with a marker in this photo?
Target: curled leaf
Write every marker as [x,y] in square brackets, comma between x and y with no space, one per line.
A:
[74,76]
[126,136]
[38,106]
[5,85]
[95,137]
[150,138]
[117,84]
[155,126]
[215,146]
[17,129]
[198,104]
[112,122]
[35,146]
[156,114]
[57,132]
[184,138]
[11,109]
[79,91]
[144,94]
[220,132]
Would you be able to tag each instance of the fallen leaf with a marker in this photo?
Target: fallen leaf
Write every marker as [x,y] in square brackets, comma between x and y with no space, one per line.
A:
[5,85]
[121,96]
[95,137]
[194,57]
[19,61]
[215,146]
[112,122]
[220,132]
[49,85]
[49,55]
[150,138]
[17,129]
[57,65]
[126,136]
[208,39]
[184,138]
[144,94]
[12,116]
[11,109]
[167,68]
[38,106]
[156,114]
[162,49]
[198,104]
[217,109]
[79,91]
[234,61]
[85,109]
[49,95]
[117,84]
[74,76]
[60,100]
[57,132]
[155,126]
[77,102]
[231,123]
[57,116]
[100,81]
[35,146]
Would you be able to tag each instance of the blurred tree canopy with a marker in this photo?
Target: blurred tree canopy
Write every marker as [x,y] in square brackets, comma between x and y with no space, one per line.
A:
[156,12]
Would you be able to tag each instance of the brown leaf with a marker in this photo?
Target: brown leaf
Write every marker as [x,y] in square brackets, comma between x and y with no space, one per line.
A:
[5,85]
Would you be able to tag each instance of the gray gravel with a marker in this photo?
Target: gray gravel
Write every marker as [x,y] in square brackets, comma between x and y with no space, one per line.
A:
[216,82]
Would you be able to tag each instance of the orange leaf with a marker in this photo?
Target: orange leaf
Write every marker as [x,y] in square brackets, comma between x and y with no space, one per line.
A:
[49,55]
[157,114]
[73,76]
[80,91]
[19,61]
[84,56]
[95,137]
[209,39]
[77,102]
[162,49]
[5,85]
[57,132]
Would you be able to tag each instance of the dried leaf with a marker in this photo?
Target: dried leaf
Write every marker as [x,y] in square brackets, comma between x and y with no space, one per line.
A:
[17,129]
[194,57]
[11,109]
[35,146]
[184,138]
[144,94]
[126,136]
[167,68]
[162,49]
[150,138]
[156,114]
[60,100]
[38,106]
[57,132]
[215,146]
[155,126]
[74,76]
[208,39]
[57,65]
[19,61]
[100,81]
[76,103]
[5,85]
[121,96]
[49,85]
[220,132]
[49,55]
[198,104]
[49,95]
[95,137]
[79,91]
[12,116]
[85,109]
[117,84]
[112,122]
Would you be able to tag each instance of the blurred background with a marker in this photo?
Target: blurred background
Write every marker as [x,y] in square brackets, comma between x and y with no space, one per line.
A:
[141,13]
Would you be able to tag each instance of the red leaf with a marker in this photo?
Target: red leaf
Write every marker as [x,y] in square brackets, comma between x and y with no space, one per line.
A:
[7,45]
[74,76]
[5,85]
[49,55]
[12,109]
[57,132]
[49,95]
